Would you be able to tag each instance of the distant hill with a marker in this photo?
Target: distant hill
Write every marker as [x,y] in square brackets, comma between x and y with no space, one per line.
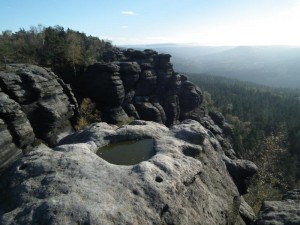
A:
[276,66]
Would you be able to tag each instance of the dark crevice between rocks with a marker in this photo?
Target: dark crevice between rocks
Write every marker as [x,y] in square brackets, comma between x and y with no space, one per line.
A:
[35,92]
[164,210]
[23,167]
[67,90]
[3,87]
[135,192]
[15,136]
[8,201]
[190,151]
[9,121]
[192,180]
[12,131]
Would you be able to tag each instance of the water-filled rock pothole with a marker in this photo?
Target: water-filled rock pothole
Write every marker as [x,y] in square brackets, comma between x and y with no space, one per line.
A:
[127,152]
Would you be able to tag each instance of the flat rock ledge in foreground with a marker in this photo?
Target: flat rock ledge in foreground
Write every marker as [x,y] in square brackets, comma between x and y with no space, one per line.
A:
[186,182]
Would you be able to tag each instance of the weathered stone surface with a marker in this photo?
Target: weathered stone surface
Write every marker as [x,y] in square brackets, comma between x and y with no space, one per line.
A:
[150,112]
[241,171]
[16,121]
[214,128]
[131,111]
[285,212]
[68,91]
[129,73]
[128,105]
[34,103]
[147,83]
[16,132]
[8,150]
[114,115]
[104,85]
[217,117]
[190,98]
[183,183]
[247,212]
[171,105]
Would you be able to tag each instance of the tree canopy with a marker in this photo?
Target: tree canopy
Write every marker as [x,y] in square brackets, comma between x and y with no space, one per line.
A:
[51,46]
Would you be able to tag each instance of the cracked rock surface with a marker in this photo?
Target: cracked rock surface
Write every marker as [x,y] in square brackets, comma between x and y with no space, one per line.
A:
[185,182]
[34,103]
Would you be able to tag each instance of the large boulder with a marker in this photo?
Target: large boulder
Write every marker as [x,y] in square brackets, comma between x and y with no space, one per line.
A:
[286,211]
[185,182]
[35,103]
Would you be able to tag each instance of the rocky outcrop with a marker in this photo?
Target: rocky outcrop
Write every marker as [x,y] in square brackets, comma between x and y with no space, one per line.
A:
[143,85]
[241,171]
[35,103]
[193,178]
[185,182]
[104,86]
[286,211]
[190,99]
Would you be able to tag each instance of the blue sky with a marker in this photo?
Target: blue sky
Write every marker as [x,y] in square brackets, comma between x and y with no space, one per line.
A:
[204,22]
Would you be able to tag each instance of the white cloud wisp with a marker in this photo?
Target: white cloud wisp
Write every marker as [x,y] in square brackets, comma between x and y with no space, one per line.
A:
[128,13]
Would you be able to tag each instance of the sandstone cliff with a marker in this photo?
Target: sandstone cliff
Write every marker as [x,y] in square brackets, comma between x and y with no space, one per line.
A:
[193,178]
[142,85]
[35,104]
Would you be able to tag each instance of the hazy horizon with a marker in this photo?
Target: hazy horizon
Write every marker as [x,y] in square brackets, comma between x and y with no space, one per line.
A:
[209,45]
[194,22]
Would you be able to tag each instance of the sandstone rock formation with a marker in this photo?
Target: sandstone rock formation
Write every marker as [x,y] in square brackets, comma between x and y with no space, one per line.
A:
[143,85]
[282,212]
[194,177]
[35,103]
[16,131]
[185,182]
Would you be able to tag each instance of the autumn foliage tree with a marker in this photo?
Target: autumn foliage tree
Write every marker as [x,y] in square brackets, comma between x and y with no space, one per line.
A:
[276,169]
[88,114]
[73,52]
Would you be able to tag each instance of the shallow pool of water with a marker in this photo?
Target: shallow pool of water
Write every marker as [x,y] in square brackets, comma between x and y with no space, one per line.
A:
[127,152]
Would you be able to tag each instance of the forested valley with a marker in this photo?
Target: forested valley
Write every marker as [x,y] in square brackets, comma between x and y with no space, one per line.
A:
[266,124]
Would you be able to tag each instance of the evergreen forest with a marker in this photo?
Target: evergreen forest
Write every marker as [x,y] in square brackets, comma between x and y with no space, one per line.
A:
[266,124]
